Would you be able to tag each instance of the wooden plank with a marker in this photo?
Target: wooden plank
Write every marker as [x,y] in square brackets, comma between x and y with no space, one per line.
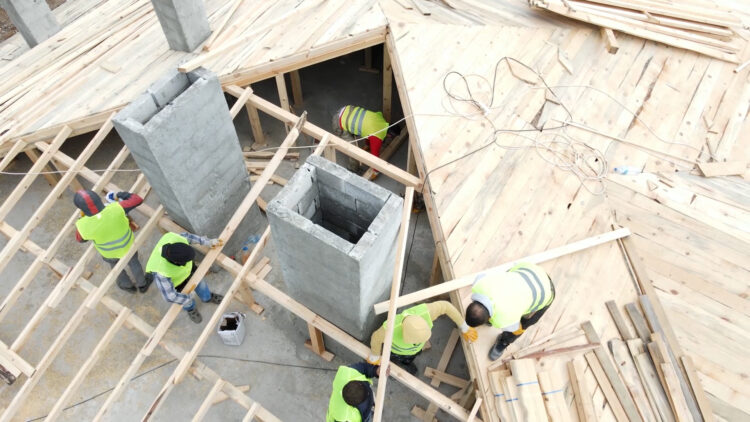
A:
[255,126]
[449,379]
[607,390]
[511,393]
[91,300]
[240,103]
[296,88]
[442,365]
[584,404]
[9,356]
[560,351]
[387,86]
[610,41]
[251,412]
[216,32]
[724,168]
[653,385]
[538,258]
[553,393]
[629,373]
[46,170]
[283,95]
[695,384]
[87,366]
[316,344]
[474,410]
[639,322]
[395,288]
[497,382]
[208,401]
[625,331]
[529,394]
[675,394]
[617,385]
[222,396]
[340,144]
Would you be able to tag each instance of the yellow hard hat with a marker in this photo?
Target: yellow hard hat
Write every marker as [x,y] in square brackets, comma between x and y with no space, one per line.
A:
[415,329]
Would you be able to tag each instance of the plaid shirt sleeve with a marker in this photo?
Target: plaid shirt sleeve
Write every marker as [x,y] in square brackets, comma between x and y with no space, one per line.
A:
[168,291]
[194,238]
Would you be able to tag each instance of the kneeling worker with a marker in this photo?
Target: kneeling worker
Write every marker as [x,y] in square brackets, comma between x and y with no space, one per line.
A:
[171,266]
[352,399]
[511,301]
[413,327]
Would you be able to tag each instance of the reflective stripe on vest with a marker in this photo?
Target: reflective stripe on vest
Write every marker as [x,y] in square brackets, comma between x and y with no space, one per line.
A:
[361,122]
[109,230]
[338,409]
[520,291]
[399,346]
[158,264]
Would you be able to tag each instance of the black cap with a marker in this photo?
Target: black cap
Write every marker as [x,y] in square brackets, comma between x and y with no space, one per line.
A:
[177,253]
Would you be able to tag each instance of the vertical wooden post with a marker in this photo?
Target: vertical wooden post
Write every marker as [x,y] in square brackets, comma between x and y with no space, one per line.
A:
[411,164]
[296,88]
[283,95]
[316,344]
[387,85]
[252,114]
[436,273]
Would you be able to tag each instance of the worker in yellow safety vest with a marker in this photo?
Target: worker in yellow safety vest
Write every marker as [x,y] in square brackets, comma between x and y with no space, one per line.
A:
[412,329]
[171,266]
[512,301]
[362,123]
[352,399]
[110,230]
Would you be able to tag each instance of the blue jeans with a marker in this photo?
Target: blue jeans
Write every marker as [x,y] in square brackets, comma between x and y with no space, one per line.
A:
[203,292]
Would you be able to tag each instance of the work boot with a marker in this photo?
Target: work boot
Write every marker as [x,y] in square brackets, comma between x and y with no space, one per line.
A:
[503,341]
[216,298]
[146,285]
[195,316]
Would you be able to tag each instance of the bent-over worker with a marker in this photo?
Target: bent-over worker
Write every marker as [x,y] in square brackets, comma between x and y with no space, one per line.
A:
[171,266]
[352,399]
[109,228]
[512,301]
[360,123]
[412,329]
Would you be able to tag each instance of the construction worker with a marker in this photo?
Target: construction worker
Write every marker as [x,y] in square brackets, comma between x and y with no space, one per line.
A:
[512,301]
[412,329]
[360,123]
[109,228]
[171,266]
[352,399]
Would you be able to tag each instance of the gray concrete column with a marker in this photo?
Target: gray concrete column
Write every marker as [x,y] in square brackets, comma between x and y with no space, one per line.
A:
[335,236]
[184,22]
[182,137]
[32,18]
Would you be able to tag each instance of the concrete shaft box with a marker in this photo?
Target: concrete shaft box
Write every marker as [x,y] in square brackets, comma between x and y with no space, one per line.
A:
[335,235]
[182,137]
[184,22]
[32,18]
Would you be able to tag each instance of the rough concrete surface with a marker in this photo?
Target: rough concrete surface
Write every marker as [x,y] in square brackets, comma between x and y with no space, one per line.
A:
[184,22]
[285,377]
[32,18]
[182,137]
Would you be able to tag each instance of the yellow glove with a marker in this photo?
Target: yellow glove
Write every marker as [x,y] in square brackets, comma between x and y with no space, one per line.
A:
[215,243]
[469,333]
[373,360]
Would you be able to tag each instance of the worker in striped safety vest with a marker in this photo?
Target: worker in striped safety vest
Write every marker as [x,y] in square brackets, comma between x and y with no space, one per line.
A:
[363,124]
[511,301]
[110,230]
[352,399]
[412,329]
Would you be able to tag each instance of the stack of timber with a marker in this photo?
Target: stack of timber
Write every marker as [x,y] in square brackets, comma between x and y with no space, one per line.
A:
[693,27]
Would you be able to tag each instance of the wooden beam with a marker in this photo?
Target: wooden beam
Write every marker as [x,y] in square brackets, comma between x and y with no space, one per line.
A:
[209,43]
[87,366]
[724,168]
[449,379]
[606,387]
[208,401]
[540,257]
[316,344]
[625,331]
[529,394]
[609,369]
[583,400]
[395,287]
[294,76]
[442,365]
[283,95]
[641,327]
[47,171]
[340,144]
[624,363]
[553,392]
[10,357]
[695,384]
[610,41]
[387,86]
[90,302]
[240,103]
[186,362]
[474,409]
